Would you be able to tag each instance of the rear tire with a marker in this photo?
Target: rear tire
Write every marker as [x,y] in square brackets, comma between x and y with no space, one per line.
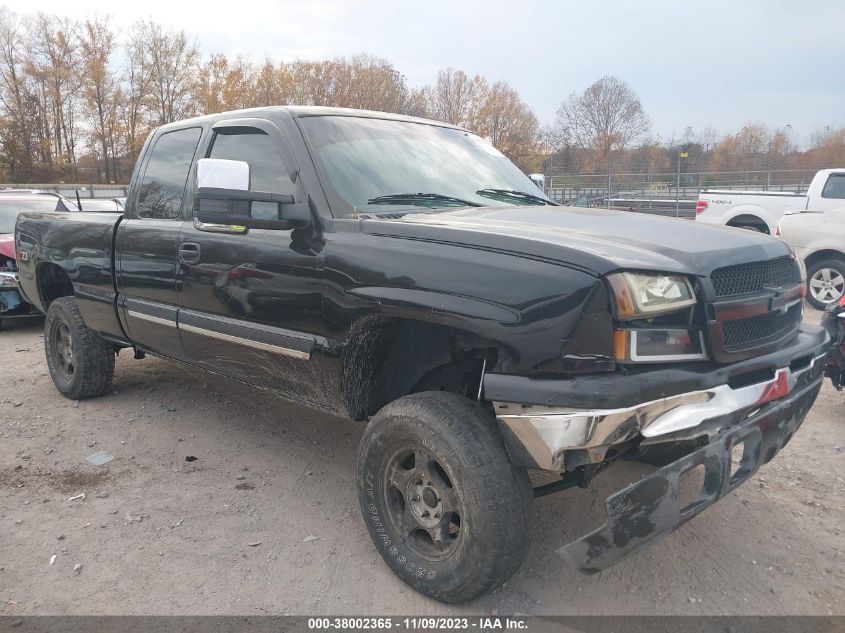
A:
[825,282]
[81,363]
[448,512]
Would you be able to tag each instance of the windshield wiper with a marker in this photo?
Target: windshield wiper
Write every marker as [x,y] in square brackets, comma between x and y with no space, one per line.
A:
[424,199]
[512,194]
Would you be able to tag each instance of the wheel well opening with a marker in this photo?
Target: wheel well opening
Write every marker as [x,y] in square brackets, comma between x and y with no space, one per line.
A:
[753,221]
[387,358]
[822,255]
[53,282]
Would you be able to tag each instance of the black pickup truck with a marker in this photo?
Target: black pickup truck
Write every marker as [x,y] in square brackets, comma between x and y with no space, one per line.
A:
[404,273]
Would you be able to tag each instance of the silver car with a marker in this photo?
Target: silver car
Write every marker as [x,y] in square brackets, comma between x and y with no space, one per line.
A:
[818,239]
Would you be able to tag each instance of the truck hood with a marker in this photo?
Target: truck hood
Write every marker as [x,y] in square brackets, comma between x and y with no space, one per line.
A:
[596,240]
[7,245]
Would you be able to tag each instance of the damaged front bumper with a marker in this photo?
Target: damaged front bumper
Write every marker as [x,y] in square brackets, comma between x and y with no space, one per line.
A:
[651,407]
[651,507]
[757,404]
[549,434]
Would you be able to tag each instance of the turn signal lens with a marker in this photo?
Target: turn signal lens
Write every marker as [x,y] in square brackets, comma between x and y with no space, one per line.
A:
[621,344]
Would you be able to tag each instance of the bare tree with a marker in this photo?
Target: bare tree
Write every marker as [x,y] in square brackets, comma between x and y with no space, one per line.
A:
[54,65]
[135,89]
[607,116]
[508,122]
[419,102]
[708,138]
[456,97]
[16,133]
[753,138]
[827,147]
[172,62]
[100,86]
[272,84]
[372,84]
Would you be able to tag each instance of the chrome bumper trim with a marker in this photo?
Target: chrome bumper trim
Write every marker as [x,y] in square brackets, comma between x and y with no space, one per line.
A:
[547,432]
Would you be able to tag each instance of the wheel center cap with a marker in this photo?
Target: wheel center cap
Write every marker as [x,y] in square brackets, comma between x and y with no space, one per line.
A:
[430,498]
[426,504]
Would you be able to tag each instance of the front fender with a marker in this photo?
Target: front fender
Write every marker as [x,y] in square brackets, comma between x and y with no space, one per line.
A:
[527,307]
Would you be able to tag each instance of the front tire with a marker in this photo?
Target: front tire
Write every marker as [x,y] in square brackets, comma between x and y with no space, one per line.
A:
[81,363]
[825,282]
[449,513]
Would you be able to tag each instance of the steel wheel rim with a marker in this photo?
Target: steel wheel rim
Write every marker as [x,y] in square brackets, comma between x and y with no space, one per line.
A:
[827,285]
[63,345]
[422,503]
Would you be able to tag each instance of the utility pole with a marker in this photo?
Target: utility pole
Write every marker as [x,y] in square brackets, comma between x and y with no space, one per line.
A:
[769,166]
[681,154]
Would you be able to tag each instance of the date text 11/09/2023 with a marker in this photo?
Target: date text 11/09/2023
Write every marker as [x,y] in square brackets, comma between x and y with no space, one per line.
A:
[480,623]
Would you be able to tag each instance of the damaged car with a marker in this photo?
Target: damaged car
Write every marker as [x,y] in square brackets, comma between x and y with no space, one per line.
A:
[405,274]
[12,202]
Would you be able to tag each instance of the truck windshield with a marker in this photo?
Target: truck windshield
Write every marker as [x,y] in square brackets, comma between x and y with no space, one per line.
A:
[377,165]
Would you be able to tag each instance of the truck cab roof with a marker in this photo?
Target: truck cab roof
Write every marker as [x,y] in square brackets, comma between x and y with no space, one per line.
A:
[308,111]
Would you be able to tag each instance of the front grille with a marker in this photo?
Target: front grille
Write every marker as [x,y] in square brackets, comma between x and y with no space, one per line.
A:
[742,332]
[753,277]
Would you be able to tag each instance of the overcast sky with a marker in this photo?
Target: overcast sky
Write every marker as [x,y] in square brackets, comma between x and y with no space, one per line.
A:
[713,63]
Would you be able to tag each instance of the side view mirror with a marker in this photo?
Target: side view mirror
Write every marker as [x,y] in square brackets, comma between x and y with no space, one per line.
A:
[539,180]
[223,197]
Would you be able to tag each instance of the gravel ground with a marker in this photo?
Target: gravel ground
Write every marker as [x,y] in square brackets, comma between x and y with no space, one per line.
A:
[265,519]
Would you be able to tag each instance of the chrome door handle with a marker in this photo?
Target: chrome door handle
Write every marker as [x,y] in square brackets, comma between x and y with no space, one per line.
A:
[189,253]
[229,229]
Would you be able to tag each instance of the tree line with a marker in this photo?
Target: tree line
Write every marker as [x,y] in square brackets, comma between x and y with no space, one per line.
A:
[605,130]
[77,102]
[78,98]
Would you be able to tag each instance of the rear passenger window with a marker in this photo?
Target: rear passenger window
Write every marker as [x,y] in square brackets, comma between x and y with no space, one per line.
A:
[163,185]
[834,187]
[266,169]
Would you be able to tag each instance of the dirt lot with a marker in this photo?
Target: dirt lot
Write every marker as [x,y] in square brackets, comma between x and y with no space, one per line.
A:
[265,520]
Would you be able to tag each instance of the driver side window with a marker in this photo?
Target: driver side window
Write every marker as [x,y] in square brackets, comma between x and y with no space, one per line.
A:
[266,169]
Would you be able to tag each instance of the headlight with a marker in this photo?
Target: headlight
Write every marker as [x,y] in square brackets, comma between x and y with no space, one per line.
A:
[8,280]
[643,295]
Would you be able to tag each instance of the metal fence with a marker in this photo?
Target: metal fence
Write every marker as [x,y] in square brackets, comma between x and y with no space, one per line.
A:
[85,191]
[660,189]
[637,191]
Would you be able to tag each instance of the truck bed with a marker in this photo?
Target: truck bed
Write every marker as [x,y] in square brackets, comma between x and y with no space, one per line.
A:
[79,247]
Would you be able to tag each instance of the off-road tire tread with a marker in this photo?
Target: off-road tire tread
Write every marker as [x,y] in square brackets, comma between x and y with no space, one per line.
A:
[505,488]
[97,354]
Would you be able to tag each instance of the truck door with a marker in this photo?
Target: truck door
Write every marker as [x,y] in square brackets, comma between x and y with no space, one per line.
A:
[148,241]
[250,300]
